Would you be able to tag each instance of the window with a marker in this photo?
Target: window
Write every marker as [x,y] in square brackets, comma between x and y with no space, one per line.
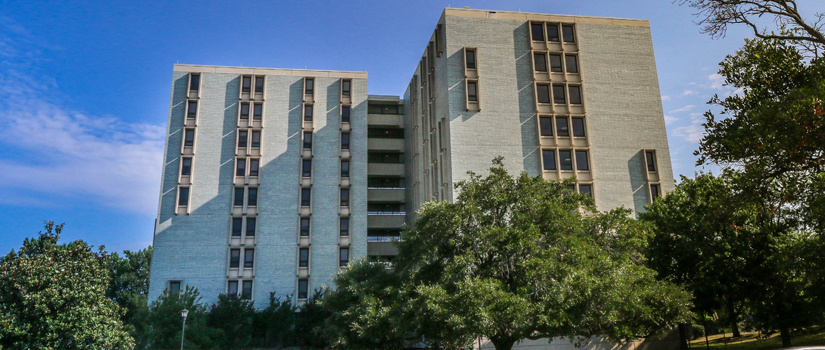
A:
[543,93]
[174,287]
[253,167]
[303,257]
[192,110]
[232,288]
[186,166]
[548,157]
[558,94]
[581,161]
[344,140]
[307,113]
[256,139]
[252,198]
[246,83]
[246,293]
[305,197]
[306,167]
[243,136]
[578,127]
[240,167]
[304,227]
[385,133]
[303,288]
[251,223]
[344,197]
[183,196]
[575,94]
[194,82]
[244,110]
[258,111]
[248,258]
[553,32]
[571,63]
[308,139]
[472,91]
[238,200]
[384,109]
[555,63]
[565,160]
[540,62]
[567,33]
[537,32]
[237,227]
[189,137]
[345,114]
[561,127]
[586,190]
[234,258]
[344,168]
[385,157]
[470,58]
[654,191]
[570,187]
[343,256]
[651,163]
[259,84]
[344,227]
[309,86]
[385,182]
[546,126]
[346,87]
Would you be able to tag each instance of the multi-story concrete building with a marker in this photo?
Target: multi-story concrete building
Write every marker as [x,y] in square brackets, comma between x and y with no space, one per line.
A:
[274,178]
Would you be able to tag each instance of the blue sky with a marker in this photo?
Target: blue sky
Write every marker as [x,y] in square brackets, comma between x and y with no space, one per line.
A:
[84,87]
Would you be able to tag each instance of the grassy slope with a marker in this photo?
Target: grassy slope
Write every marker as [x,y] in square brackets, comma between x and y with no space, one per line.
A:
[749,341]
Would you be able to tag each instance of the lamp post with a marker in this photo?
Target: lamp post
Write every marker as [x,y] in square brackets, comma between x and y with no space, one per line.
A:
[183,313]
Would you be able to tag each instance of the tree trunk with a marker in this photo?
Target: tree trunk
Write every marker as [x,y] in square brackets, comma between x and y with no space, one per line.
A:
[503,343]
[734,318]
[785,334]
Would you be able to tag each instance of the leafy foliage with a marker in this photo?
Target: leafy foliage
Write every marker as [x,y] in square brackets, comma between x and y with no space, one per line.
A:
[129,288]
[233,316]
[274,326]
[165,322]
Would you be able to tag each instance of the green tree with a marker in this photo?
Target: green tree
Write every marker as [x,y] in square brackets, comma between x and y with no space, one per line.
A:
[165,322]
[233,316]
[520,257]
[53,296]
[309,322]
[274,326]
[129,287]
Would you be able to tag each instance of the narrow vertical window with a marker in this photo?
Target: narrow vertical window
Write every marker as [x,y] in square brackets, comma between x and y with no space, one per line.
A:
[303,257]
[567,33]
[256,139]
[308,139]
[537,32]
[540,62]
[259,84]
[344,197]
[252,197]
[234,258]
[561,127]
[305,197]
[186,166]
[189,137]
[183,196]
[194,82]
[237,227]
[470,58]
[246,83]
[240,167]
[254,164]
[343,256]
[232,288]
[346,87]
[345,114]
[238,197]
[192,110]
[565,160]
[543,93]
[575,94]
[581,161]
[344,168]
[306,168]
[472,91]
[304,227]
[558,94]
[244,110]
[307,113]
[578,127]
[548,157]
[546,126]
[250,226]
[174,287]
[344,227]
[303,288]
[553,32]
[651,162]
[654,191]
[586,190]
[258,111]
[345,140]
[309,86]
[555,63]
[246,293]
[243,137]
[248,258]
[571,63]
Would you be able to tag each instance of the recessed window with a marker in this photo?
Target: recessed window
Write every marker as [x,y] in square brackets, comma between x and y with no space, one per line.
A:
[248,258]
[234,258]
[546,126]
[258,111]
[237,227]
[561,127]
[549,159]
[581,161]
[343,256]
[570,187]
[240,167]
[472,91]
[244,110]
[578,127]
[251,224]
[558,94]
[232,288]
[567,33]
[346,87]
[308,139]
[537,31]
[192,110]
[344,140]
[470,58]
[586,190]
[651,161]
[555,63]
[575,94]
[344,227]
[303,257]
[571,63]
[304,227]
[186,166]
[174,287]
[385,133]
[183,196]
[344,197]
[243,137]
[345,114]
[306,193]
[540,62]
[543,93]
[565,160]
[344,168]
[309,86]
[238,197]
[307,113]
[654,191]
[246,83]
[303,288]
[385,157]
[256,139]
[246,292]
[189,137]
[306,167]
[259,84]
[553,32]
[253,167]
[194,81]
[252,197]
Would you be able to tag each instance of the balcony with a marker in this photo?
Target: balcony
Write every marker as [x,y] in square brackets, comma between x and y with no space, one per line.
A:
[385,120]
[386,221]
[381,248]
[379,144]
[385,169]
[385,195]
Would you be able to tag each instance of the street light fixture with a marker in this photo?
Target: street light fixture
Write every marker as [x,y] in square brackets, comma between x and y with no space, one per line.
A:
[183,313]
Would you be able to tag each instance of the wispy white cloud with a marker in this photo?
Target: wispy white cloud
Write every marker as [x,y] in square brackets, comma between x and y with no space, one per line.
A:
[688,92]
[691,133]
[670,120]
[665,98]
[683,109]
[716,81]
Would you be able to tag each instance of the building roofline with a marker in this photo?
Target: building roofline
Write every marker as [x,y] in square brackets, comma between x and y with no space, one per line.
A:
[527,16]
[269,71]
